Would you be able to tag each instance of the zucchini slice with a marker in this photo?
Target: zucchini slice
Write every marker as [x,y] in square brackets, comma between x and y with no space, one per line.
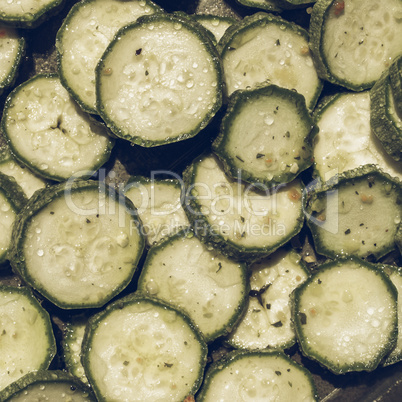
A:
[357,213]
[345,140]
[28,13]
[158,204]
[395,274]
[345,315]
[267,322]
[48,385]
[266,5]
[28,181]
[141,349]
[395,74]
[266,136]
[215,23]
[385,121]
[83,37]
[257,376]
[12,48]
[241,221]
[211,289]
[46,130]
[27,339]
[354,41]
[159,81]
[77,243]
[12,199]
[265,48]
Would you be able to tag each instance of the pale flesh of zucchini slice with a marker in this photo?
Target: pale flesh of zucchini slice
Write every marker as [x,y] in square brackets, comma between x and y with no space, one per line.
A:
[79,247]
[158,204]
[354,41]
[345,140]
[7,218]
[84,36]
[346,316]
[267,323]
[257,376]
[214,23]
[266,48]
[211,289]
[357,215]
[47,131]
[159,81]
[237,219]
[27,340]
[140,349]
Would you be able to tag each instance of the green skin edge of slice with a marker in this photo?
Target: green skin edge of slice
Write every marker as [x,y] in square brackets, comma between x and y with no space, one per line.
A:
[382,123]
[357,174]
[42,173]
[395,73]
[59,48]
[234,108]
[40,200]
[203,231]
[240,308]
[232,356]
[45,377]
[134,298]
[254,21]
[30,21]
[52,350]
[336,369]
[16,197]
[10,79]
[270,5]
[209,46]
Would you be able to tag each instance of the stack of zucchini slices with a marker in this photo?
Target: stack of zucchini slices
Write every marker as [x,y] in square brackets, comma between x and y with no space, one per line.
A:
[155,278]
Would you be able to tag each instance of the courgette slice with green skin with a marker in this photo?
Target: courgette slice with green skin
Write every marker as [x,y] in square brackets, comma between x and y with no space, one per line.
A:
[142,349]
[385,121]
[211,289]
[158,204]
[77,243]
[265,48]
[395,75]
[12,48]
[354,41]
[266,136]
[12,200]
[28,181]
[267,5]
[169,87]
[356,213]
[345,315]
[242,222]
[215,23]
[48,385]
[28,13]
[71,345]
[395,274]
[345,140]
[83,37]
[46,130]
[267,322]
[257,375]
[27,339]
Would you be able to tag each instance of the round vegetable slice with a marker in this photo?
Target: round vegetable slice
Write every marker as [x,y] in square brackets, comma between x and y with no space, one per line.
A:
[264,48]
[77,243]
[266,136]
[27,341]
[211,289]
[257,375]
[345,315]
[48,385]
[46,130]
[354,41]
[83,37]
[159,81]
[141,349]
